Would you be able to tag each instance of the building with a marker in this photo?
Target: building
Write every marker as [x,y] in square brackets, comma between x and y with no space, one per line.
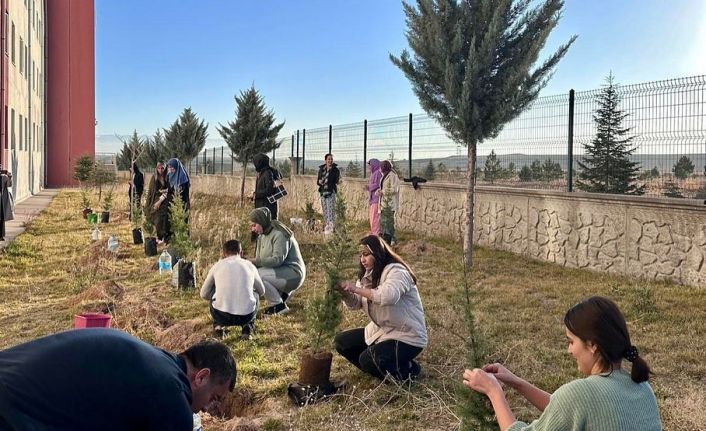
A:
[47,85]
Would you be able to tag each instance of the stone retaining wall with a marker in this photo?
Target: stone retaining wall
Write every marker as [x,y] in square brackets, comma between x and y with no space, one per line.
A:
[652,238]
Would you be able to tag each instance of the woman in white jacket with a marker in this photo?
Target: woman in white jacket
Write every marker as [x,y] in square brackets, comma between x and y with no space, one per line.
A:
[386,290]
[389,193]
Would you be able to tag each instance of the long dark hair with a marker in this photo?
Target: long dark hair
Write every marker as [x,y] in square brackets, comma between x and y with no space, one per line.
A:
[383,255]
[599,320]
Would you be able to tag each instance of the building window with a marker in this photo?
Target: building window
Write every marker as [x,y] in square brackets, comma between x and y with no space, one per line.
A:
[12,48]
[20,127]
[22,56]
[12,128]
[7,33]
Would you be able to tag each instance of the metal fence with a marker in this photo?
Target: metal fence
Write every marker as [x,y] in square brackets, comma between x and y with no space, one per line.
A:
[539,149]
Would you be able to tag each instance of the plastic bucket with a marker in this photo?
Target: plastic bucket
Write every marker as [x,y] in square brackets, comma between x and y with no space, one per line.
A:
[92,320]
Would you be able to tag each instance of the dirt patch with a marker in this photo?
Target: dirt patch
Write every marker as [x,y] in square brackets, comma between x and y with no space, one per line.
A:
[101,298]
[146,315]
[243,412]
[181,335]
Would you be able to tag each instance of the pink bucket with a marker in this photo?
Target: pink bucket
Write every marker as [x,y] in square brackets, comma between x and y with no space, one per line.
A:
[92,320]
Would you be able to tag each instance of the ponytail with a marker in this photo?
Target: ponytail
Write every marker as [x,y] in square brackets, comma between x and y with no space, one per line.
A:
[640,370]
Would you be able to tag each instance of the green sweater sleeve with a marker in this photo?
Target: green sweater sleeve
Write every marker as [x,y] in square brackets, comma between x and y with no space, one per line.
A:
[276,255]
[554,417]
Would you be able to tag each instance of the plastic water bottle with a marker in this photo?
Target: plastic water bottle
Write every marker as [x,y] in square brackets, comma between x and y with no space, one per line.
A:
[197,422]
[165,262]
[95,233]
[112,244]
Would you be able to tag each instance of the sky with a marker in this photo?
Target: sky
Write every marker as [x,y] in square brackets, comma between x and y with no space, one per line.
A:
[321,62]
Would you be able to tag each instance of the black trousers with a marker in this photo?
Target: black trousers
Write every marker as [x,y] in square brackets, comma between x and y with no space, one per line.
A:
[391,357]
[222,318]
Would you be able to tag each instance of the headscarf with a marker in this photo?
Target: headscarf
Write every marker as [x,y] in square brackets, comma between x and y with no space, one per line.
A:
[179,177]
[374,180]
[261,162]
[263,217]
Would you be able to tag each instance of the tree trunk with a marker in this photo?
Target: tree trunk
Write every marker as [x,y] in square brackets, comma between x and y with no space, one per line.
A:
[242,184]
[470,201]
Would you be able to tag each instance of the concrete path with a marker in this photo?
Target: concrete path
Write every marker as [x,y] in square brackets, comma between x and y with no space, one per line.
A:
[25,211]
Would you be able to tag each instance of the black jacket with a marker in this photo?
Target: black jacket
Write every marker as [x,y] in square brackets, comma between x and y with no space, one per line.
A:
[333,177]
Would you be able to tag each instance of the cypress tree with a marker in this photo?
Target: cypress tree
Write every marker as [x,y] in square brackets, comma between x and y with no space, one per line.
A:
[607,168]
[492,170]
[683,168]
[253,132]
[473,68]
[186,137]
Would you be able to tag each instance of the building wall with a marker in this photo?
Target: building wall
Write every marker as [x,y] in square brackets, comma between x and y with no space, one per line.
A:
[23,94]
[651,238]
[70,87]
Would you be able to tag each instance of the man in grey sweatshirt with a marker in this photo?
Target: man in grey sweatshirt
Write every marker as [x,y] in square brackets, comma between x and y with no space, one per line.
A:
[278,260]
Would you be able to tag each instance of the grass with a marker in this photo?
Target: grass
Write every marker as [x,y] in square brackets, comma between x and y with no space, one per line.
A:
[53,271]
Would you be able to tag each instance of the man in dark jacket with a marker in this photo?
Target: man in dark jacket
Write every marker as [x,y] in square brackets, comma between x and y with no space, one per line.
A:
[5,201]
[265,184]
[104,379]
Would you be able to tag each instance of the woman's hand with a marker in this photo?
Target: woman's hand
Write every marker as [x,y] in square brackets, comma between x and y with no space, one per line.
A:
[481,381]
[347,287]
[157,205]
[501,373]
[378,192]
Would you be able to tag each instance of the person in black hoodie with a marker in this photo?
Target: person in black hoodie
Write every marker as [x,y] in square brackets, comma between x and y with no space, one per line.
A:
[265,184]
[327,180]
[137,186]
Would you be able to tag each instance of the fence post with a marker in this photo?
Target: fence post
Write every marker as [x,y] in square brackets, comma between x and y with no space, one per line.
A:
[205,162]
[232,163]
[570,169]
[304,152]
[365,148]
[196,168]
[214,161]
[292,144]
[297,151]
[273,157]
[410,146]
[222,159]
[330,135]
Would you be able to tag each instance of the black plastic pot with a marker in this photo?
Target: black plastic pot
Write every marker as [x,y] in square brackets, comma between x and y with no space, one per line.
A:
[150,246]
[187,279]
[105,217]
[137,236]
[86,211]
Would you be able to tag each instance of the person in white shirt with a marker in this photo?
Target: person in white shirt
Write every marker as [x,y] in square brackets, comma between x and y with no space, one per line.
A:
[233,287]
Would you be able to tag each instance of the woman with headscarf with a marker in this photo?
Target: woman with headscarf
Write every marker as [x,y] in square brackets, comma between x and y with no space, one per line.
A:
[178,180]
[389,194]
[5,201]
[373,199]
[137,186]
[158,211]
[265,184]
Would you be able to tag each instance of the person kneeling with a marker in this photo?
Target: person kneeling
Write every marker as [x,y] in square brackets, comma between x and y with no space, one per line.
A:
[386,290]
[233,287]
[277,258]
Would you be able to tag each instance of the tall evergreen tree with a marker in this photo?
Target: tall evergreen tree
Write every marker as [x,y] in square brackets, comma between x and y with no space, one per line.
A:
[473,68]
[186,137]
[683,168]
[353,170]
[131,152]
[155,150]
[492,170]
[429,171]
[551,170]
[525,173]
[253,132]
[607,168]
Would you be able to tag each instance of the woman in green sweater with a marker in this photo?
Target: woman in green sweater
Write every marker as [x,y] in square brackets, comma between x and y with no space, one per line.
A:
[608,399]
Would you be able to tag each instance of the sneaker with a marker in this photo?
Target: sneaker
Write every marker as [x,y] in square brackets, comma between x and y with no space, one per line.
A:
[219,332]
[284,296]
[247,331]
[280,308]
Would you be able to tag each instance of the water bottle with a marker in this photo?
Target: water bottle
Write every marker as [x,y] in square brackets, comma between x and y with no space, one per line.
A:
[165,262]
[95,233]
[112,244]
[197,422]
